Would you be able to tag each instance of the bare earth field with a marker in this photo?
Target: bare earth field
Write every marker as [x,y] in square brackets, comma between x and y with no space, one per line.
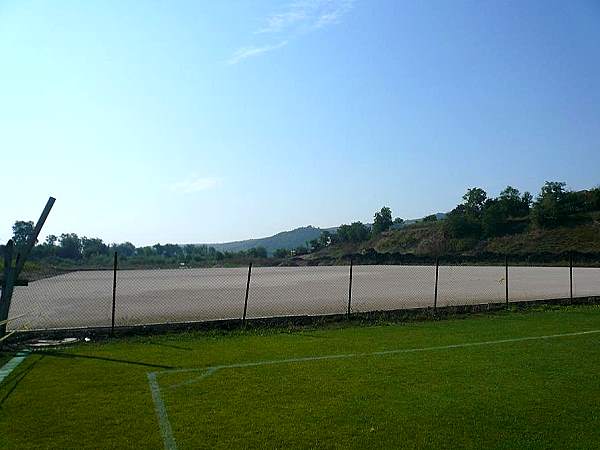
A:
[82,299]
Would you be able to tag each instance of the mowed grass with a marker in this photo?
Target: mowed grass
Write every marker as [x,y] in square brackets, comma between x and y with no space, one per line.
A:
[539,393]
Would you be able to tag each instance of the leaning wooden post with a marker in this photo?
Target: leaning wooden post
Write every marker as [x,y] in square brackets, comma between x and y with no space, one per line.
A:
[247,292]
[11,275]
[114,296]
[33,238]
[7,286]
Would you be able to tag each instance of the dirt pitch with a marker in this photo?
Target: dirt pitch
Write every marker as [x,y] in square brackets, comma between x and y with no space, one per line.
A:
[84,299]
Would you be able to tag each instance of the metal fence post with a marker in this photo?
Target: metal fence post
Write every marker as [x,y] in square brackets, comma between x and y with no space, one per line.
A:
[114,295]
[506,277]
[247,292]
[435,295]
[350,289]
[571,276]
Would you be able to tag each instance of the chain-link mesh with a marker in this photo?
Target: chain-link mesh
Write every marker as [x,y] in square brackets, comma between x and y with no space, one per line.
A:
[179,295]
[586,281]
[377,288]
[290,291]
[467,285]
[62,299]
[538,283]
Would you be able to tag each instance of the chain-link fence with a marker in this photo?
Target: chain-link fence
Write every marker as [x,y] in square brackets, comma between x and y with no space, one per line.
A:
[84,298]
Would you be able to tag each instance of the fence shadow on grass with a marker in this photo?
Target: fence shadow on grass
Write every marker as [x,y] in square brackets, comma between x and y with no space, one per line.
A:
[16,381]
[66,355]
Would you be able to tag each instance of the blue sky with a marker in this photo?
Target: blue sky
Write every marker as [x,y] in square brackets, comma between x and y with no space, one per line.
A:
[216,121]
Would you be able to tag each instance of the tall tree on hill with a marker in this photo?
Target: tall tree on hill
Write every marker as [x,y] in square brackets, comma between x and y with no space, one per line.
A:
[382,221]
[465,220]
[550,207]
[512,204]
[325,239]
[475,200]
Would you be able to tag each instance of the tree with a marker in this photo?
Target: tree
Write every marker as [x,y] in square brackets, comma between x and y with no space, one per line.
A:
[550,207]
[314,245]
[475,200]
[325,239]
[493,219]
[510,193]
[168,250]
[398,222]
[300,250]
[382,221]
[257,252]
[355,232]
[593,199]
[512,204]
[51,240]
[93,247]
[70,246]
[575,202]
[343,233]
[127,249]
[461,223]
[190,250]
[430,218]
[281,253]
[21,232]
[527,200]
[359,232]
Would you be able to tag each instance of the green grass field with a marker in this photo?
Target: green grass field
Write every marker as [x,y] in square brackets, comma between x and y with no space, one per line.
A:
[509,380]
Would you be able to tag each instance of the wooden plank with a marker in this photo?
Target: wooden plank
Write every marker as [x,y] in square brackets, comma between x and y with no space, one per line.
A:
[7,336]
[16,283]
[22,257]
[12,318]
[7,286]
[11,275]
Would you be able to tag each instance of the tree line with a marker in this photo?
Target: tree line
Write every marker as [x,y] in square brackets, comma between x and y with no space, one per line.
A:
[477,217]
[480,216]
[69,247]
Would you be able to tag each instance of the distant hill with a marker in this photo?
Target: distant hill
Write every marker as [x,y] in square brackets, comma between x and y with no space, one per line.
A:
[438,216]
[285,239]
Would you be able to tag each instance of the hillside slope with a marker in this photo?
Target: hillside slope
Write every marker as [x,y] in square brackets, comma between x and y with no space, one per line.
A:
[429,239]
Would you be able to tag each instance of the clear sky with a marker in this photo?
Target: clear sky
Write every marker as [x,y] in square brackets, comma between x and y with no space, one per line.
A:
[208,121]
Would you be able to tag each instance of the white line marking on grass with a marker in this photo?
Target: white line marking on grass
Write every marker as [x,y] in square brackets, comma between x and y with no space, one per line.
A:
[213,369]
[208,372]
[161,413]
[12,364]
